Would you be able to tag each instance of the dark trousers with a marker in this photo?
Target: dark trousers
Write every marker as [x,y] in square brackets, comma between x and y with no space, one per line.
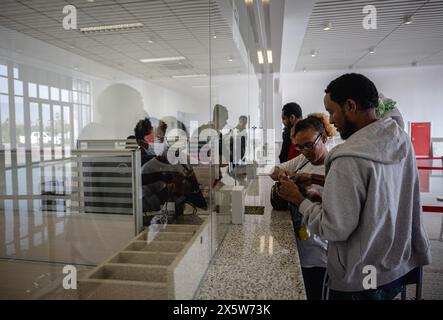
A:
[375,294]
[313,278]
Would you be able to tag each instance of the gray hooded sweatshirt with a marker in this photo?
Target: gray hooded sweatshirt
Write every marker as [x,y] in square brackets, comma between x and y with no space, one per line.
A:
[371,212]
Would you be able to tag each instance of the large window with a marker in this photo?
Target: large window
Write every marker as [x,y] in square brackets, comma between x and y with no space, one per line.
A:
[40,120]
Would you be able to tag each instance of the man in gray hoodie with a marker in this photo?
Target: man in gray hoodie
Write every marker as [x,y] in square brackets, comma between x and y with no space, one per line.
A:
[370,211]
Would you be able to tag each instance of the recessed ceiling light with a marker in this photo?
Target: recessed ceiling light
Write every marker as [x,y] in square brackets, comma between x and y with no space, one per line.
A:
[248,2]
[150,41]
[372,50]
[261,59]
[230,59]
[269,56]
[190,76]
[112,27]
[313,53]
[203,87]
[407,20]
[91,0]
[327,26]
[304,69]
[162,59]
[214,36]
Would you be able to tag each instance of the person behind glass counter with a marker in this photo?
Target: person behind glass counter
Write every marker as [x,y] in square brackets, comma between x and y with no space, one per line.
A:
[149,138]
[162,181]
[240,135]
[310,136]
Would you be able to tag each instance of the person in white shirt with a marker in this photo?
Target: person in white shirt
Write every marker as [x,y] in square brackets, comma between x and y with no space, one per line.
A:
[310,137]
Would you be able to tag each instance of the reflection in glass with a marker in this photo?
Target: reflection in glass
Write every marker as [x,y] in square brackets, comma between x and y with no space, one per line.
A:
[32,90]
[47,132]
[5,127]
[67,129]
[3,70]
[18,88]
[43,92]
[4,88]
[35,131]
[57,123]
[55,94]
[20,130]
[65,95]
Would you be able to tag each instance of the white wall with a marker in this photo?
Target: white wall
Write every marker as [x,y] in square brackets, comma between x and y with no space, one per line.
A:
[240,94]
[157,101]
[417,90]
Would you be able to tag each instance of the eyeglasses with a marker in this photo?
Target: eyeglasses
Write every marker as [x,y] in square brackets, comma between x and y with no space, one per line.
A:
[309,146]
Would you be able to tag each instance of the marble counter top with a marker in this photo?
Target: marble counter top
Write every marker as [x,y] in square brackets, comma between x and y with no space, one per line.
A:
[256,260]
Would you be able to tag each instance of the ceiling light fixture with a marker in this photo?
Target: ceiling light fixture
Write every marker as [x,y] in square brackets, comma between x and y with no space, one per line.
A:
[230,59]
[150,41]
[372,50]
[186,76]
[203,87]
[327,26]
[261,59]
[313,53]
[407,20]
[249,2]
[162,59]
[269,56]
[112,27]
[304,69]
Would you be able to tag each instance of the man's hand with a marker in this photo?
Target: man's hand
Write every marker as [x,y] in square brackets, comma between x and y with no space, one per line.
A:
[277,173]
[282,174]
[314,195]
[303,179]
[289,191]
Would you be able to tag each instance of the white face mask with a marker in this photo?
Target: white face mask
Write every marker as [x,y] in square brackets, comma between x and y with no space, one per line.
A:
[159,147]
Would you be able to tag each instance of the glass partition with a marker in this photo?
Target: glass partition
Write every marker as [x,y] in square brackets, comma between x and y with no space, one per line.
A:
[118,117]
[76,211]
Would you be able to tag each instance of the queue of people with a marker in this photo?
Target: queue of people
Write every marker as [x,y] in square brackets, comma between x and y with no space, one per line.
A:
[355,207]
[358,205]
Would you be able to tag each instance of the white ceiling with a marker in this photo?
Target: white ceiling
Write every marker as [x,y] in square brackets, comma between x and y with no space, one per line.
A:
[186,27]
[176,27]
[347,44]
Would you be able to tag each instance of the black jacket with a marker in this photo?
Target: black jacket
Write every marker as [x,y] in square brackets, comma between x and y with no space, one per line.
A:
[286,145]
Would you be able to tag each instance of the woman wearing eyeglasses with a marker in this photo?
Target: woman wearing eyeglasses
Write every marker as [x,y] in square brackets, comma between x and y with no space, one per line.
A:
[310,137]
